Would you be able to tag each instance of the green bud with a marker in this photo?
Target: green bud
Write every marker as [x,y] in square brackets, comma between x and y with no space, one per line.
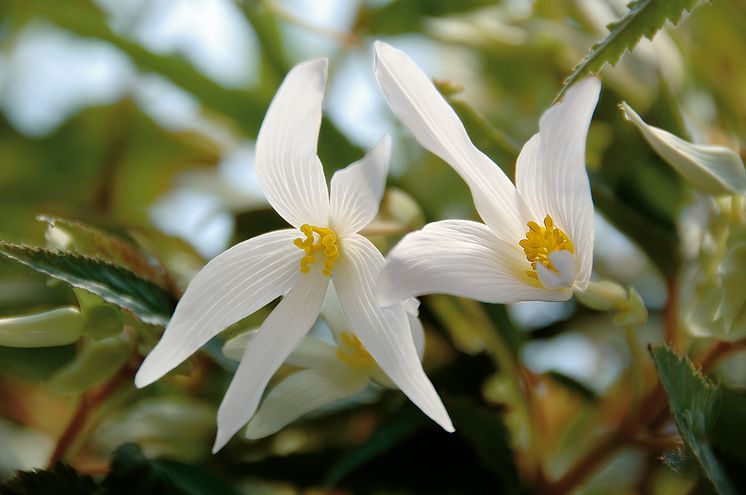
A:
[57,327]
[606,295]
[95,364]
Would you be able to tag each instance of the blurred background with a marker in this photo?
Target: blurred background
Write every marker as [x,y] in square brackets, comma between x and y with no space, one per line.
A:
[138,118]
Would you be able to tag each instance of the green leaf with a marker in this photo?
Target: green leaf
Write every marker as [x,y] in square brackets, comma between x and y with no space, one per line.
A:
[60,480]
[114,284]
[95,243]
[697,405]
[644,18]
[132,472]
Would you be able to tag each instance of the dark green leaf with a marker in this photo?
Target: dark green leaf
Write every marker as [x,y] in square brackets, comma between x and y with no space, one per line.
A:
[60,480]
[697,406]
[644,18]
[406,16]
[132,472]
[114,284]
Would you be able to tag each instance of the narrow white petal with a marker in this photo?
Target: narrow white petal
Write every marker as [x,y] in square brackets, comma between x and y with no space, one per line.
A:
[551,174]
[461,258]
[310,352]
[563,278]
[384,332]
[357,190]
[301,393]
[288,169]
[421,108]
[711,169]
[278,335]
[230,287]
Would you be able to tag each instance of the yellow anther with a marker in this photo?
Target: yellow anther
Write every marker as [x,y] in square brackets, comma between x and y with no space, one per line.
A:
[540,242]
[352,352]
[317,239]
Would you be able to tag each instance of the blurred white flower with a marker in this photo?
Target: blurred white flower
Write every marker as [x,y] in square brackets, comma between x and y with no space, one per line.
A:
[253,273]
[711,169]
[329,372]
[537,243]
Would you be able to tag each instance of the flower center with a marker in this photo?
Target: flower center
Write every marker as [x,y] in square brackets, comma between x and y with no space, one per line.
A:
[352,352]
[318,239]
[540,242]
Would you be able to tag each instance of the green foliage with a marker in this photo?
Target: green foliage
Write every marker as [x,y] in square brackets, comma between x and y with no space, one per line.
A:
[60,480]
[644,18]
[708,418]
[132,472]
[114,284]
[403,16]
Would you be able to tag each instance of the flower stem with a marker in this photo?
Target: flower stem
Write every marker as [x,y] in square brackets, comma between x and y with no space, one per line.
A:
[89,402]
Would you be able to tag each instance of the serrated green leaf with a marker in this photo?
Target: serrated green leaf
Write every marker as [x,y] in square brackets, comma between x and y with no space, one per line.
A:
[114,284]
[60,480]
[696,404]
[95,243]
[644,18]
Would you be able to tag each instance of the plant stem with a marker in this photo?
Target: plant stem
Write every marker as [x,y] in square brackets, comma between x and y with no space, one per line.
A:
[88,403]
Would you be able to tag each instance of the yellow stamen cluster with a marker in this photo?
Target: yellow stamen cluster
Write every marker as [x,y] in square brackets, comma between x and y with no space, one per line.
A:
[540,242]
[325,241]
[352,352]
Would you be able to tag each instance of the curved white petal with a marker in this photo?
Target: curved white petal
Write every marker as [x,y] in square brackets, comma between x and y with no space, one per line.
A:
[301,393]
[288,169]
[357,190]
[712,169]
[276,338]
[310,352]
[551,174]
[461,258]
[331,312]
[384,332]
[230,287]
[417,103]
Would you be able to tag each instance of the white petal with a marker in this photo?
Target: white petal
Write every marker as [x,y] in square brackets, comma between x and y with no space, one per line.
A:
[278,335]
[417,103]
[357,190]
[230,287]
[301,393]
[418,334]
[331,312]
[566,265]
[288,169]
[551,174]
[711,169]
[384,332]
[310,352]
[461,258]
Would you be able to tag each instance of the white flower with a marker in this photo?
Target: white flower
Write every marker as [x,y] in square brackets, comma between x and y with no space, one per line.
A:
[714,170]
[297,265]
[537,243]
[328,372]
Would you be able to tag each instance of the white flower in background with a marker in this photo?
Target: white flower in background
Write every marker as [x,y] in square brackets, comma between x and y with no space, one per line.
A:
[329,372]
[298,264]
[713,170]
[537,243]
